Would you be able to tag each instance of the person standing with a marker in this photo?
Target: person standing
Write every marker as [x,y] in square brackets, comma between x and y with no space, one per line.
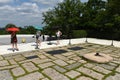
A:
[58,34]
[38,41]
[14,41]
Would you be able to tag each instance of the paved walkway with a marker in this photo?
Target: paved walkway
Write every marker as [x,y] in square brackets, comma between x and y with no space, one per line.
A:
[60,62]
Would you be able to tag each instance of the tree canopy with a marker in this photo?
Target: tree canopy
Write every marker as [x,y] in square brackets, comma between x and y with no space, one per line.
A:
[99,18]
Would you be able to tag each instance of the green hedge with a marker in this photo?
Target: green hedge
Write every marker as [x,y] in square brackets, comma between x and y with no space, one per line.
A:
[79,33]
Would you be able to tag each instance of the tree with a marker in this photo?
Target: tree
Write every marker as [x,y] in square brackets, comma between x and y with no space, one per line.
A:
[66,15]
[10,25]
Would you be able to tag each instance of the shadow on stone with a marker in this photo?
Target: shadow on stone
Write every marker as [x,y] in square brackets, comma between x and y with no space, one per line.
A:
[76,48]
[56,52]
[31,57]
[50,43]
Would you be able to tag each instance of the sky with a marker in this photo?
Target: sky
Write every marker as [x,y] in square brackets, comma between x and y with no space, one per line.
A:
[25,12]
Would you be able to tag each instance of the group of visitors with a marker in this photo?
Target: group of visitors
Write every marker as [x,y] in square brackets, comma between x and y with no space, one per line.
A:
[37,36]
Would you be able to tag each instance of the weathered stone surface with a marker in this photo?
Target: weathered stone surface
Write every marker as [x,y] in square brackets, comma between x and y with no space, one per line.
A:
[73,74]
[38,61]
[60,69]
[54,75]
[42,56]
[5,75]
[76,58]
[109,67]
[60,62]
[18,71]
[70,61]
[19,59]
[32,76]
[66,66]
[30,67]
[82,61]
[118,69]
[8,67]
[102,70]
[45,79]
[91,73]
[12,56]
[115,77]
[61,57]
[68,54]
[44,65]
[117,62]
[84,78]
[50,56]
[89,65]
[72,66]
[12,61]
[4,63]
[1,58]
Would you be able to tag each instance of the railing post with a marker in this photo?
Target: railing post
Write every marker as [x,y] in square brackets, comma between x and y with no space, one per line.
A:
[86,40]
[112,43]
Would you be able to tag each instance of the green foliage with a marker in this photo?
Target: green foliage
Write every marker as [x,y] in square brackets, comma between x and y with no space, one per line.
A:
[79,33]
[65,15]
[10,25]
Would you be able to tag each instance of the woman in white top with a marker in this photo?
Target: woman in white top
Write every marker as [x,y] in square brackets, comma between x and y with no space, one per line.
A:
[58,34]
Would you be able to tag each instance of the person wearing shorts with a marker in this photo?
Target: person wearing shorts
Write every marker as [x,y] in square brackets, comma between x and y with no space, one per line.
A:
[14,41]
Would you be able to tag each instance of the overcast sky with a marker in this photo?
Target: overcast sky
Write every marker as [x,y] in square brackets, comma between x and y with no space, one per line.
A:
[25,12]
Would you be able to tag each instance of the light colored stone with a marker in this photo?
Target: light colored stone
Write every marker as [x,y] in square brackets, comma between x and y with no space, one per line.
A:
[115,77]
[38,61]
[117,62]
[61,57]
[19,59]
[18,71]
[5,75]
[45,79]
[102,58]
[44,65]
[70,61]
[54,75]
[102,70]
[60,69]
[109,67]
[118,69]
[82,61]
[42,56]
[76,58]
[91,73]
[30,67]
[1,58]
[73,66]
[12,61]
[84,78]
[8,67]
[50,56]
[4,63]
[60,62]
[32,76]
[89,65]
[73,74]
[68,54]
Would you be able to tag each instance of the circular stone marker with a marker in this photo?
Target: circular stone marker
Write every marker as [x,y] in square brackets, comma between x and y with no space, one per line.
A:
[98,57]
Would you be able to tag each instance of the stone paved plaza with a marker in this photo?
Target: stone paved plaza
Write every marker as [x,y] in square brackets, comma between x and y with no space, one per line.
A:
[61,63]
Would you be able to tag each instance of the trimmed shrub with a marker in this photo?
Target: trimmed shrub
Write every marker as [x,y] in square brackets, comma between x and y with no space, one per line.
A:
[79,33]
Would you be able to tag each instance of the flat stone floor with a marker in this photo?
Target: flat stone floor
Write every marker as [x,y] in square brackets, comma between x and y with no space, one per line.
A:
[60,63]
